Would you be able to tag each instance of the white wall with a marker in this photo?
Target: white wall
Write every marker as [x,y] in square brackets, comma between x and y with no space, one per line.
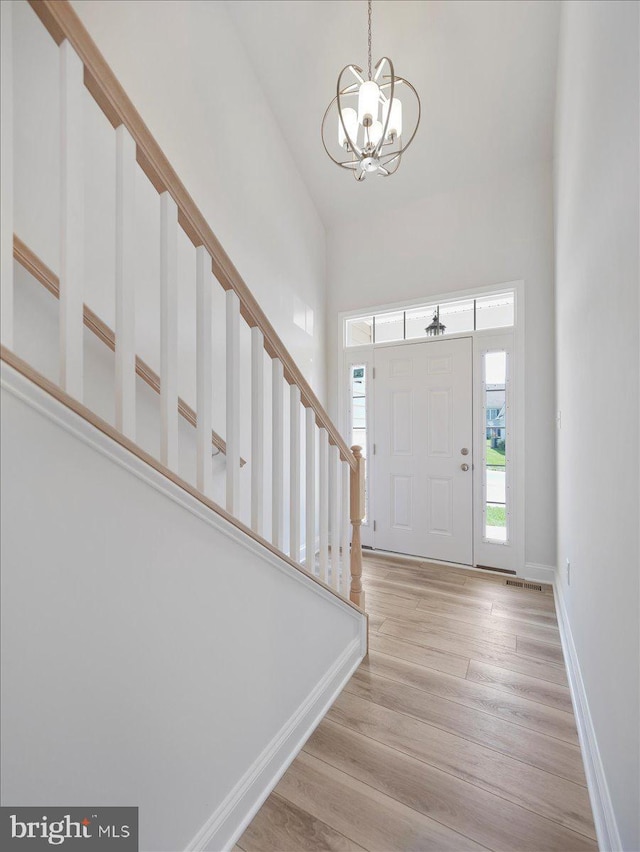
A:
[151,656]
[479,236]
[597,282]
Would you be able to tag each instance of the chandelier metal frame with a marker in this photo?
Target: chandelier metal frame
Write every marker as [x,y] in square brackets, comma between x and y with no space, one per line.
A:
[370,157]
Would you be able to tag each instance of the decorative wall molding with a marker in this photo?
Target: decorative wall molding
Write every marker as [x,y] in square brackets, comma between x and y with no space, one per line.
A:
[601,804]
[230,819]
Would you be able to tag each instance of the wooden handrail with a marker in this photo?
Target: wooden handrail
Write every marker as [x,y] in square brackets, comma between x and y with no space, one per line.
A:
[30,261]
[81,410]
[62,23]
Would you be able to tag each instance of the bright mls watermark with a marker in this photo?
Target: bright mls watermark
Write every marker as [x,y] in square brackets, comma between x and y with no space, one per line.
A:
[103,829]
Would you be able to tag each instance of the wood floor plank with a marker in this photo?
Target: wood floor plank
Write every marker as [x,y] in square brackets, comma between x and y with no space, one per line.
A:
[547,795]
[481,587]
[422,571]
[540,650]
[376,597]
[384,588]
[431,593]
[481,634]
[430,596]
[536,616]
[434,639]
[455,616]
[381,604]
[515,683]
[431,580]
[542,632]
[425,566]
[281,825]
[512,708]
[544,752]
[356,809]
[383,568]
[375,622]
[463,807]
[470,590]
[478,578]
[433,659]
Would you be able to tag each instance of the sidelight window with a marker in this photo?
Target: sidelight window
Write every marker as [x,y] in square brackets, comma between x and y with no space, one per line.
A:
[496,447]
[358,399]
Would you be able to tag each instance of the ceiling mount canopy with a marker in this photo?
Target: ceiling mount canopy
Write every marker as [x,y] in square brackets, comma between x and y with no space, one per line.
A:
[369,118]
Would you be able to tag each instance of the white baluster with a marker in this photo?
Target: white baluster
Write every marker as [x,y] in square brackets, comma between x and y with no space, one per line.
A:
[125,283]
[6,175]
[204,369]
[334,503]
[323,499]
[294,471]
[310,488]
[345,528]
[71,221]
[169,331]
[233,403]
[277,454]
[257,430]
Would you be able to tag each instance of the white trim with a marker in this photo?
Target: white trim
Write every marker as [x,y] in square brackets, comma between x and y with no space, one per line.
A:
[442,298]
[539,573]
[22,388]
[603,814]
[229,820]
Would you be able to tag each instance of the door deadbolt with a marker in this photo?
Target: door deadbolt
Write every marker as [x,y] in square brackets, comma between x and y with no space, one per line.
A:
[464,467]
[464,451]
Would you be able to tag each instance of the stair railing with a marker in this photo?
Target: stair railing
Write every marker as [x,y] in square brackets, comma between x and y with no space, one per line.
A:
[334,473]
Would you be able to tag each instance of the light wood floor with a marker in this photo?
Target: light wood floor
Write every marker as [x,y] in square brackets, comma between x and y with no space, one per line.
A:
[456,733]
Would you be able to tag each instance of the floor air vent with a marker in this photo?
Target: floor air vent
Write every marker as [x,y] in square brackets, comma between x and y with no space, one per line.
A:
[521,585]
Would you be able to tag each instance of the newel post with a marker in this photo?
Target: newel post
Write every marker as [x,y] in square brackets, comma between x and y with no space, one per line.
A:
[357,514]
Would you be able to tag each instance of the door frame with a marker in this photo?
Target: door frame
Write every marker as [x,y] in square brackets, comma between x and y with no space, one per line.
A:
[513,339]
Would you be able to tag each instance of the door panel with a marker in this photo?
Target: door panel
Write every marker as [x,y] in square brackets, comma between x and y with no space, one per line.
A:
[422,420]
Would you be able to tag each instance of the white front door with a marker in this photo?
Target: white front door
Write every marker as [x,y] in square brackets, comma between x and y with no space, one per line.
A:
[423,499]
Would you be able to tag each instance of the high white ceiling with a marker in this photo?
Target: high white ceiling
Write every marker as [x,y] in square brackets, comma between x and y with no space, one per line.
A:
[484,69]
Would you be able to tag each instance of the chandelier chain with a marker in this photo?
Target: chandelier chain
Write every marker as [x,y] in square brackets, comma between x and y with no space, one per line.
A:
[369,34]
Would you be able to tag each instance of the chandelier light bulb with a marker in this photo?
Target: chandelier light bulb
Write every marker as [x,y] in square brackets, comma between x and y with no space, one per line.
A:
[375,132]
[394,129]
[368,101]
[350,117]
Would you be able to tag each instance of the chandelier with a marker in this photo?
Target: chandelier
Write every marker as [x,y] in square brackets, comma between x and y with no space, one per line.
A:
[369,113]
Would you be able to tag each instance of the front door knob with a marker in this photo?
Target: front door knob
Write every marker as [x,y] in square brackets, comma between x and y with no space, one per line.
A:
[464,467]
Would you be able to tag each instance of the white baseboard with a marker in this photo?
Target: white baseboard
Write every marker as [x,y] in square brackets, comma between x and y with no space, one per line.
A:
[540,573]
[227,823]
[601,805]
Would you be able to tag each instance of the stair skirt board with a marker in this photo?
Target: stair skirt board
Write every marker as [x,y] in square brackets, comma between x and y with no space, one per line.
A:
[229,821]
